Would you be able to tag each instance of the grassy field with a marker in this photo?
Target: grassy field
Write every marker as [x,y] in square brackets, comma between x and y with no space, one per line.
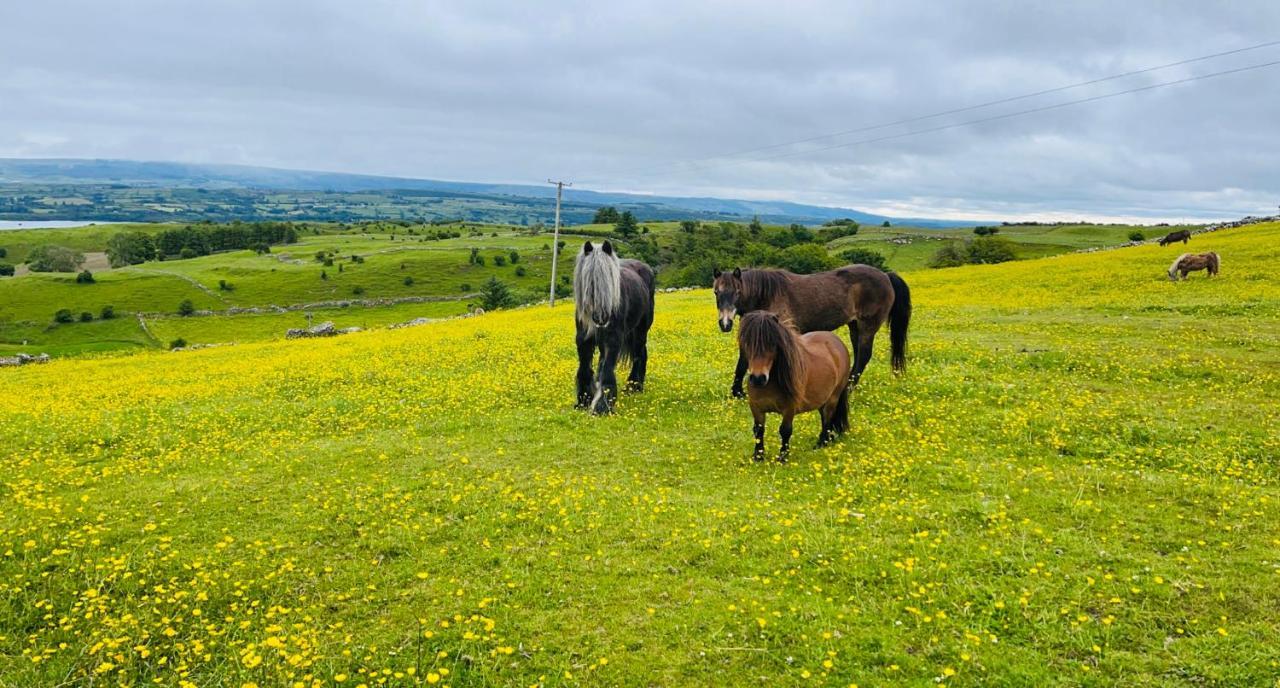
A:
[1075,483]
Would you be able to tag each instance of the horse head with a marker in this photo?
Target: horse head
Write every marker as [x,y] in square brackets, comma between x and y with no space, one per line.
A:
[728,289]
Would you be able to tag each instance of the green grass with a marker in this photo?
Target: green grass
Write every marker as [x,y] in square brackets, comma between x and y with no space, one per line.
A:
[1077,482]
[20,242]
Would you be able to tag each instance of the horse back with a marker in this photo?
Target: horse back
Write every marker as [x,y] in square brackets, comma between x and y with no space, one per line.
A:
[825,350]
[829,300]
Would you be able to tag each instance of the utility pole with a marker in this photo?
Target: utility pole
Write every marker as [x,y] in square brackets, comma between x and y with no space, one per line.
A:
[555,243]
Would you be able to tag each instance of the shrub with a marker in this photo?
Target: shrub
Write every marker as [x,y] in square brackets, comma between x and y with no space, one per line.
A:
[520,272]
[4,252]
[464,287]
[178,343]
[108,312]
[187,253]
[408,281]
[321,256]
[480,261]
[499,260]
[804,259]
[515,257]
[495,294]
[357,290]
[985,231]
[324,275]
[224,285]
[885,223]
[85,277]
[63,316]
[328,262]
[260,248]
[949,256]
[1135,235]
[865,257]
[86,316]
[7,270]
[986,250]
[54,259]
[186,307]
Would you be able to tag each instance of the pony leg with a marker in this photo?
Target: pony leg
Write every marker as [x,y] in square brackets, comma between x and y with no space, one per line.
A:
[606,391]
[824,435]
[784,433]
[738,373]
[586,378]
[757,428]
[862,349]
[639,364]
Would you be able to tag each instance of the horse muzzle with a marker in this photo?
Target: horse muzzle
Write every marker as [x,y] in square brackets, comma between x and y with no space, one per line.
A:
[758,380]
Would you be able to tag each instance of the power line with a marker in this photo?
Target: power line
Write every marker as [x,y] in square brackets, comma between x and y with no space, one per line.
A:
[953,111]
[994,118]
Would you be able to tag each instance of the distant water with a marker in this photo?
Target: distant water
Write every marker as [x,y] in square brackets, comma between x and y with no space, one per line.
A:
[47,224]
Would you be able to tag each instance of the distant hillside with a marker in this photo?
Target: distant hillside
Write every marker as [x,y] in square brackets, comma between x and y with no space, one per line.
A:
[73,172]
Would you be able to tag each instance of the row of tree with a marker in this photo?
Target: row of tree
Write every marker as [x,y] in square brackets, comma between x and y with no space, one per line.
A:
[131,248]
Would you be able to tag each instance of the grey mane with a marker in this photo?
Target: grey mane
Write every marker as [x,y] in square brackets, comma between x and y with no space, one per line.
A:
[597,286]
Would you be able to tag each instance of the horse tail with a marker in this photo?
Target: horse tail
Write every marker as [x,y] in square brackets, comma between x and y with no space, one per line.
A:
[840,418]
[1213,263]
[899,319]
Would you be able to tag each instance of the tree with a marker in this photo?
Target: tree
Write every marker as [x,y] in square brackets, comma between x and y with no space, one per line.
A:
[86,316]
[885,223]
[7,270]
[63,316]
[54,259]
[178,343]
[865,257]
[627,225]
[515,257]
[985,250]
[108,312]
[804,259]
[1136,235]
[130,248]
[949,256]
[187,253]
[755,227]
[186,307]
[689,226]
[85,277]
[495,294]
[4,252]
[499,260]
[607,215]
[408,281]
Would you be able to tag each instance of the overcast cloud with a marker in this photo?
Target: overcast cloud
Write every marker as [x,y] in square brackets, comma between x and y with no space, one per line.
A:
[620,95]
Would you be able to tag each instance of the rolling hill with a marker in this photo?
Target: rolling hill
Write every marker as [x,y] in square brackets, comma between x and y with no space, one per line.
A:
[1075,483]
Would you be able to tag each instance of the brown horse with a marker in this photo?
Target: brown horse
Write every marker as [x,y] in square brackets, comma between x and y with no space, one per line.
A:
[792,373]
[1190,262]
[1174,237]
[859,296]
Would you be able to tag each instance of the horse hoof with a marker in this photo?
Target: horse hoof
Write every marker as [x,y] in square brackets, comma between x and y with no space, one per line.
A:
[737,393]
[782,458]
[635,387]
[758,456]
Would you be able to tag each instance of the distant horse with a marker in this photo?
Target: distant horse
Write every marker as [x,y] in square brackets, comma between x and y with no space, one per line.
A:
[859,296]
[792,373]
[1190,262]
[1183,235]
[613,301]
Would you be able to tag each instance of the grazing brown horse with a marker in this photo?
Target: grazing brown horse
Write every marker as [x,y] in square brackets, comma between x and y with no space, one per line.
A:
[1174,237]
[1190,262]
[859,296]
[792,373]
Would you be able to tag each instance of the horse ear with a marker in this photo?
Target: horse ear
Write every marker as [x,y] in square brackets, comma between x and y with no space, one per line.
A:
[608,248]
[586,248]
[737,272]
[715,272]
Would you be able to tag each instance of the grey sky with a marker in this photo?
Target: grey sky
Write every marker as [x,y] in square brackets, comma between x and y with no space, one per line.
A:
[612,94]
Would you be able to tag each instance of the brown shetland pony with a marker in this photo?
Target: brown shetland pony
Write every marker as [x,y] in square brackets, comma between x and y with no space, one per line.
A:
[859,296]
[792,373]
[1190,262]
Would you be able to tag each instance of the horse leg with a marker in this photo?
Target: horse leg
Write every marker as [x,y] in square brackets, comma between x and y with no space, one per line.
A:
[639,362]
[757,429]
[784,433]
[586,350]
[864,347]
[824,436]
[606,391]
[739,373]
[857,352]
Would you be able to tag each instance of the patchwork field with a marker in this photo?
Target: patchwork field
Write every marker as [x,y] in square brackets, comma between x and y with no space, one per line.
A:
[1075,483]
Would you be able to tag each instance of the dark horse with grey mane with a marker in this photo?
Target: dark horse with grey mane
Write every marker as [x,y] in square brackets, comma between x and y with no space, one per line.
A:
[1183,235]
[859,296]
[613,301]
